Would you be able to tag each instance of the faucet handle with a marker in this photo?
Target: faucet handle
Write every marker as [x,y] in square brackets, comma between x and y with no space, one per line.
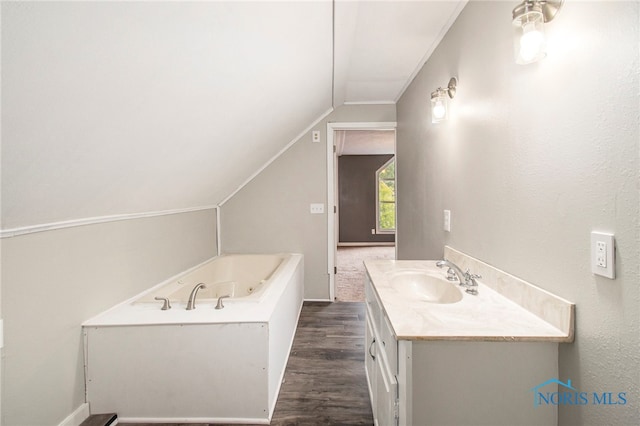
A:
[451,275]
[165,305]
[219,305]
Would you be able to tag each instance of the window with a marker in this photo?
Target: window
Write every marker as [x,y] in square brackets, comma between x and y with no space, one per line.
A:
[386,197]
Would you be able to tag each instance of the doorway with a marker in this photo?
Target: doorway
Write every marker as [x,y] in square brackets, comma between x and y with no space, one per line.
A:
[362,186]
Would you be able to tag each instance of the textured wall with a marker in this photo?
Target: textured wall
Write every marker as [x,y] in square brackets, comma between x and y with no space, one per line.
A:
[532,160]
[53,281]
[271,213]
[357,198]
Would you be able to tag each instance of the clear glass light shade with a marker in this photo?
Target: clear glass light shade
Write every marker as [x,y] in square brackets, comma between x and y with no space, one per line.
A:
[529,40]
[438,107]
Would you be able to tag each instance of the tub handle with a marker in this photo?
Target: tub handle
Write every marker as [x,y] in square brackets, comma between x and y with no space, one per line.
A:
[220,305]
[166,305]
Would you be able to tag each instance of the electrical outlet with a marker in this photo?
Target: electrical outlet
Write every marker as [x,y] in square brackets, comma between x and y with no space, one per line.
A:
[315,136]
[603,254]
[316,208]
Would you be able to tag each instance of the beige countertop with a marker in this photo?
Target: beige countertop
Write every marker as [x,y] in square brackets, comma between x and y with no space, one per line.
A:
[488,316]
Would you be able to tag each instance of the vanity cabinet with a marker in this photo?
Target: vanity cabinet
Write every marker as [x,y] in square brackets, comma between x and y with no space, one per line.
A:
[432,381]
[381,362]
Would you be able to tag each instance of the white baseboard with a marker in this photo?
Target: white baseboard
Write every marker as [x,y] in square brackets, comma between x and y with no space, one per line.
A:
[200,420]
[370,244]
[77,417]
[318,300]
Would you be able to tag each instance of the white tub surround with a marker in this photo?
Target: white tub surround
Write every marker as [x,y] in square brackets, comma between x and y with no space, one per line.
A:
[473,361]
[203,365]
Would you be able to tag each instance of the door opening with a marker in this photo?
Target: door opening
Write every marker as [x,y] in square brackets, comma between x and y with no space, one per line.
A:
[361,188]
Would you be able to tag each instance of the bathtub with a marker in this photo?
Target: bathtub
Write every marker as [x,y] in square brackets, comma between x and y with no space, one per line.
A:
[241,277]
[202,365]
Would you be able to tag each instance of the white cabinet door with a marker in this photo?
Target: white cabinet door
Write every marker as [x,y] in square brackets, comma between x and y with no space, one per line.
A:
[386,394]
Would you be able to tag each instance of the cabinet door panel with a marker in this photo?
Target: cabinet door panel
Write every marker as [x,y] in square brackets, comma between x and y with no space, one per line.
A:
[386,394]
[369,364]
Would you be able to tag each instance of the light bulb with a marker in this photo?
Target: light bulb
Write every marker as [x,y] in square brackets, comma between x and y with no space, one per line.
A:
[439,109]
[531,42]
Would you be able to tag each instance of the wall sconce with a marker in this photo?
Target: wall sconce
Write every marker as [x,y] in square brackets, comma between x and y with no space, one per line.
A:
[529,18]
[439,109]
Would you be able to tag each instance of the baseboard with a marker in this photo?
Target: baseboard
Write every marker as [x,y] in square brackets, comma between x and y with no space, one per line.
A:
[77,417]
[370,244]
[200,420]
[318,300]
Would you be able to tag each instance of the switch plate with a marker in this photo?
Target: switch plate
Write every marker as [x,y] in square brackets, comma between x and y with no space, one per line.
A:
[447,221]
[603,254]
[316,208]
[315,136]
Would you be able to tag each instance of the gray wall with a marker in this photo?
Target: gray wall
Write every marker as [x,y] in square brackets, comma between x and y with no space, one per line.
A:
[271,213]
[531,161]
[53,281]
[357,198]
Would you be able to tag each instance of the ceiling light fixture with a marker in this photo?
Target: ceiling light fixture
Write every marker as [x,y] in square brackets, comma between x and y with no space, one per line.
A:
[439,109]
[529,18]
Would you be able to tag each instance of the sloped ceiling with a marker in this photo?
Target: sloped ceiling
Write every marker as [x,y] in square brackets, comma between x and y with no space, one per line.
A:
[114,108]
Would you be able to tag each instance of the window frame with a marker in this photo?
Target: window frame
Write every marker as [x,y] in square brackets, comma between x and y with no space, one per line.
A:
[378,229]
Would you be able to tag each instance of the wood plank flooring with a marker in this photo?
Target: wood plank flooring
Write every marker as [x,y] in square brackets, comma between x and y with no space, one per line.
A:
[324,383]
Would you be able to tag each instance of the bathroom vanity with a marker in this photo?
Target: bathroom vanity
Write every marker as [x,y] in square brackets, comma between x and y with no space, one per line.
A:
[438,355]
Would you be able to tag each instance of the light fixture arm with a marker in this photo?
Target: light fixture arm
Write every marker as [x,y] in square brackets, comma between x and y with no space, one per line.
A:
[450,90]
[549,8]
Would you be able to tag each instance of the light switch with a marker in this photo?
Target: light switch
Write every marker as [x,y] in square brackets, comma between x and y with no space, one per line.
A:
[603,254]
[447,221]
[315,136]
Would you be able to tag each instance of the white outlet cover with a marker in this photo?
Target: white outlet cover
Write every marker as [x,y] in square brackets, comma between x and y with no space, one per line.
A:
[603,252]
[316,208]
[315,136]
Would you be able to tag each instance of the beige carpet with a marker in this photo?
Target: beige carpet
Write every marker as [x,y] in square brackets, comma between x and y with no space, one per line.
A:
[350,276]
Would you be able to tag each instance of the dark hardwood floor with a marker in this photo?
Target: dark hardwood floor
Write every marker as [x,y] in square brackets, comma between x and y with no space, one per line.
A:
[324,383]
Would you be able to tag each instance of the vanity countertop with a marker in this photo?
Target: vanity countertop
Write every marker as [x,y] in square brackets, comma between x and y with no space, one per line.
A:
[487,316]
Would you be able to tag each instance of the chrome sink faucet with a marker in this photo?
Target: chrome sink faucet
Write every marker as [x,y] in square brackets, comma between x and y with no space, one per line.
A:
[191,304]
[466,279]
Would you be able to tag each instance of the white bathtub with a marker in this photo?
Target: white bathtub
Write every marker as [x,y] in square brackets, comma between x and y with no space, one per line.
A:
[202,365]
[240,276]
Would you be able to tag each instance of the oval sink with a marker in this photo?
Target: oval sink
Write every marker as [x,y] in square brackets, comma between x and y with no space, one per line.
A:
[426,287]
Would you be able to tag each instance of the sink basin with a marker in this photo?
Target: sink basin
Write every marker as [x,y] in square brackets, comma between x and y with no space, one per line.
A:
[424,286]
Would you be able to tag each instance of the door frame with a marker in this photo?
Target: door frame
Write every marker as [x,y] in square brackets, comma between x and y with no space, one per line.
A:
[332,202]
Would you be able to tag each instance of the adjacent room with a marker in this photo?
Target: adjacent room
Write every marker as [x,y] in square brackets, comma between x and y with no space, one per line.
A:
[320,212]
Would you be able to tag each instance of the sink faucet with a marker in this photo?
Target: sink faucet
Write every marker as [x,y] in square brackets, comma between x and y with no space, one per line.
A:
[191,304]
[466,279]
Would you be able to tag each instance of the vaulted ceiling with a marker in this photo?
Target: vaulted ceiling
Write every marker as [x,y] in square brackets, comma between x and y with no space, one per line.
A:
[126,107]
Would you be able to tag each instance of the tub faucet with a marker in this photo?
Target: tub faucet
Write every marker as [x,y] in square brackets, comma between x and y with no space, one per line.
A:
[191,304]
[466,279]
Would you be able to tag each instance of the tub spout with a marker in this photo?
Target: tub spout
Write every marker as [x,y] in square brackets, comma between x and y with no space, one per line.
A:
[191,304]
[220,305]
